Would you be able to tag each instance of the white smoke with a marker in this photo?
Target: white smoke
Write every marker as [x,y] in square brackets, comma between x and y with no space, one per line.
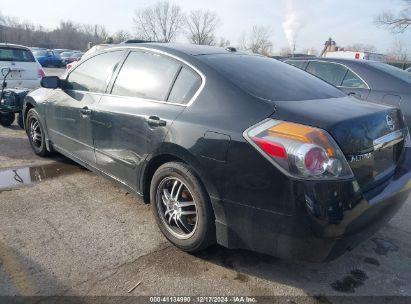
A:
[292,23]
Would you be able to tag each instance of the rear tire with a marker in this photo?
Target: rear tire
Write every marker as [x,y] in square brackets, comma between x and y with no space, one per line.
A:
[35,132]
[6,119]
[182,208]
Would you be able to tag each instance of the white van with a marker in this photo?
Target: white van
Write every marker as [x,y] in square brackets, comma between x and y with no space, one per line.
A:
[26,72]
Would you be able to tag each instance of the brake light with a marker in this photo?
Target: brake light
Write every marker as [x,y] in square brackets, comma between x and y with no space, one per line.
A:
[299,150]
[41,73]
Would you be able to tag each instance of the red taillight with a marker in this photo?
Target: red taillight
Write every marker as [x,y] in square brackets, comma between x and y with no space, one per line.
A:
[357,56]
[40,73]
[316,160]
[299,150]
[271,148]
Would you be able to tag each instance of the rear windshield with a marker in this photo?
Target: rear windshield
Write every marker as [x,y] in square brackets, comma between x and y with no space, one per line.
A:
[393,71]
[270,79]
[16,54]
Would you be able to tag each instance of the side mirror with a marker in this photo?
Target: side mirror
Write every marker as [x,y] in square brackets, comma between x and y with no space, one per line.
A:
[50,82]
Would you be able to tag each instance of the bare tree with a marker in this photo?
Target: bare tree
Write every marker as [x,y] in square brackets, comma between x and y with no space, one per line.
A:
[121,36]
[257,40]
[200,27]
[159,22]
[224,42]
[399,53]
[361,47]
[397,23]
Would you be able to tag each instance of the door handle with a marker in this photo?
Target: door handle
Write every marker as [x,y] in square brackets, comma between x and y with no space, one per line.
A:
[155,121]
[85,111]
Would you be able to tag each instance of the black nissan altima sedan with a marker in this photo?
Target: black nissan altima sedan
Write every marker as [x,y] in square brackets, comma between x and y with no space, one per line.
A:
[229,147]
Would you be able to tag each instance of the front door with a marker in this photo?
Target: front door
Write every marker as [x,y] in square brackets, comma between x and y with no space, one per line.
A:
[70,109]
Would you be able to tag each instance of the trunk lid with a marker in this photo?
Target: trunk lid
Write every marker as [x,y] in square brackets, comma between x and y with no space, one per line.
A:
[371,136]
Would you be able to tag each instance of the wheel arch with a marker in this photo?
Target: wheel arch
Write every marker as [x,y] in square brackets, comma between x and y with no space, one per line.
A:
[168,153]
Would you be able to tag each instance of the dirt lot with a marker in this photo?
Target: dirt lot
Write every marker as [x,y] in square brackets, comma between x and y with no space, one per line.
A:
[66,231]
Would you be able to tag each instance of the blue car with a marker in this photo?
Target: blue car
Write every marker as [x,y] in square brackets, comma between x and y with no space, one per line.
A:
[48,58]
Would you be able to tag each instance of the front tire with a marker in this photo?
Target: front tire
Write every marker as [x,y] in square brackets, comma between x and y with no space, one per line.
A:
[35,132]
[6,119]
[182,207]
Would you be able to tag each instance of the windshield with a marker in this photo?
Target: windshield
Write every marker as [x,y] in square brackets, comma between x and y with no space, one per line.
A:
[393,71]
[15,54]
[270,79]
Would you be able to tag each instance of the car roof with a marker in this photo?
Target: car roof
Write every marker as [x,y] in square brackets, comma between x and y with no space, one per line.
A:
[187,49]
[337,60]
[14,46]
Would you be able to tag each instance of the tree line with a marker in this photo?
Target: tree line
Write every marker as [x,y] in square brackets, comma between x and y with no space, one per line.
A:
[160,22]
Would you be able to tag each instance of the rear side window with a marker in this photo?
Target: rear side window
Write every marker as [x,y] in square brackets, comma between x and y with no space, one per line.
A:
[146,75]
[269,79]
[353,81]
[330,72]
[186,85]
[93,74]
[297,63]
[16,54]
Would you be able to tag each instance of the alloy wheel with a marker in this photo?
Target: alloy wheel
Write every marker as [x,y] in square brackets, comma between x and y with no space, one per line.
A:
[177,207]
[35,132]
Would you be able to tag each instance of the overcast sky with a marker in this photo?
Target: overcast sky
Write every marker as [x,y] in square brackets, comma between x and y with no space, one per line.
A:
[346,21]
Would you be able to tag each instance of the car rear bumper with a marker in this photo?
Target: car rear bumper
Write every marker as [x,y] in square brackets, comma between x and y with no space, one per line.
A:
[328,218]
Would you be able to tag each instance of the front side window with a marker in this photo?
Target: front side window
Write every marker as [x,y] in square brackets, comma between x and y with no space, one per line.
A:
[353,81]
[186,85]
[146,75]
[330,72]
[93,74]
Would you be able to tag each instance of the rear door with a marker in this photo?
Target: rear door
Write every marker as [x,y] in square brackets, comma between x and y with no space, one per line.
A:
[70,110]
[134,119]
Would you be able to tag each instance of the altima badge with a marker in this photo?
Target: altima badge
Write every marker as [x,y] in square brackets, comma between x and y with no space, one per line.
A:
[360,157]
[390,122]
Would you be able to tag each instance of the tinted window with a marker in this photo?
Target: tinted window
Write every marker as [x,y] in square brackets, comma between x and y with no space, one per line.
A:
[146,75]
[327,71]
[93,74]
[297,63]
[16,54]
[186,85]
[268,78]
[353,81]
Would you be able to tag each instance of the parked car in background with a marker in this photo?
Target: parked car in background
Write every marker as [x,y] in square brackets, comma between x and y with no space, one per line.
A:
[368,80]
[26,72]
[229,147]
[59,51]
[48,58]
[89,52]
[66,57]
